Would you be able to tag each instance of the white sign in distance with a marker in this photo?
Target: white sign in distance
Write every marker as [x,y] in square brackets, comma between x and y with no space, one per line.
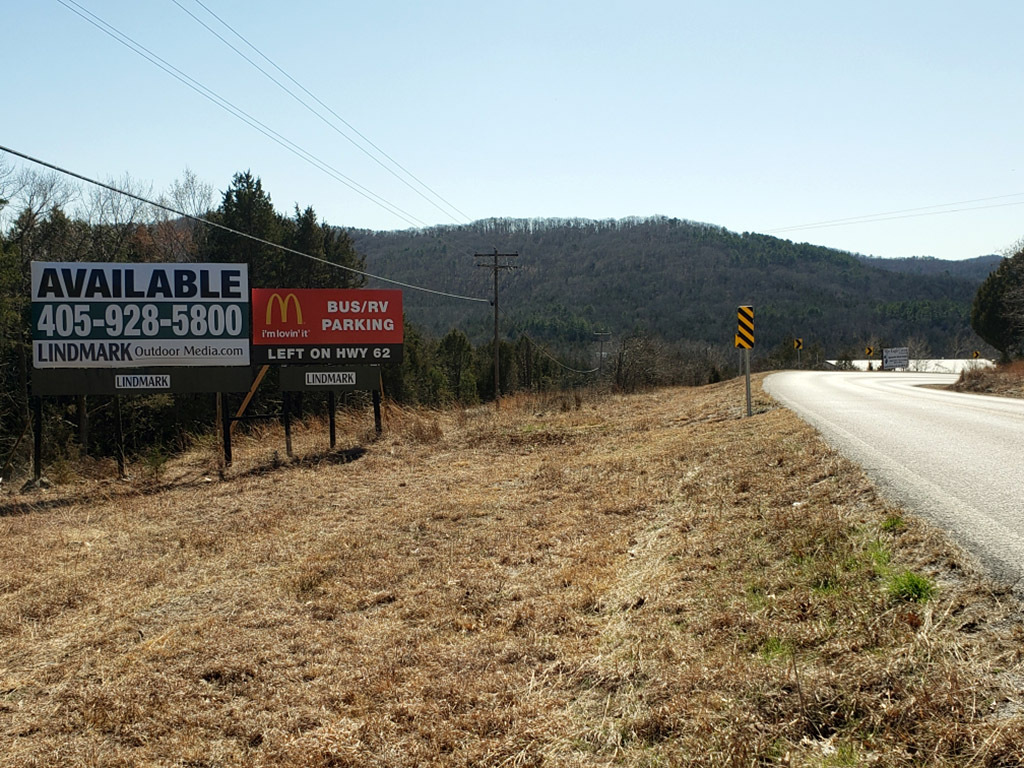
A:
[895,357]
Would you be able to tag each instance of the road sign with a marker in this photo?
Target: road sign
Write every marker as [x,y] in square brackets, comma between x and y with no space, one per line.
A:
[745,327]
[895,357]
[113,315]
[798,343]
[869,351]
[326,326]
[976,354]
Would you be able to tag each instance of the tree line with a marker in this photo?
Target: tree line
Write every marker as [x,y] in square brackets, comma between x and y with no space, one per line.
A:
[997,314]
[43,217]
[626,304]
[676,279]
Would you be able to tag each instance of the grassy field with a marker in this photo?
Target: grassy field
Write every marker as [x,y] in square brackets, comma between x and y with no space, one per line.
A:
[575,580]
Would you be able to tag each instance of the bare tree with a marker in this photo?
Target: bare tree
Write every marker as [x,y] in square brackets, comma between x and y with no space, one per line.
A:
[114,218]
[177,238]
[8,178]
[38,198]
[918,351]
[639,364]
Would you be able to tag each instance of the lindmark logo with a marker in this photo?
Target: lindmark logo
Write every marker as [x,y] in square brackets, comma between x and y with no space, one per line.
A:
[142,381]
[282,305]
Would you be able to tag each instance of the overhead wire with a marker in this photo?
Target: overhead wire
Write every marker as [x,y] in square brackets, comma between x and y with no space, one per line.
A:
[909,214]
[338,117]
[239,233]
[541,348]
[237,112]
[217,225]
[313,111]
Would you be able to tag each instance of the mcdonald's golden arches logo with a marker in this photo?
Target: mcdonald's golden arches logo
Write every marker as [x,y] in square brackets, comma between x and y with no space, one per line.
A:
[283,303]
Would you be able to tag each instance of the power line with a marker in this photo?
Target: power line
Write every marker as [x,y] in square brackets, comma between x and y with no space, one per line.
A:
[910,213]
[254,238]
[239,233]
[210,95]
[235,111]
[540,347]
[330,124]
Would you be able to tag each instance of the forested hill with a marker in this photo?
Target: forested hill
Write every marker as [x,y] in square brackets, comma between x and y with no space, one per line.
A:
[670,279]
[976,269]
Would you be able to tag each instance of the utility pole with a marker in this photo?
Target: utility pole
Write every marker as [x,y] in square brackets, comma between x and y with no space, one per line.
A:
[496,267]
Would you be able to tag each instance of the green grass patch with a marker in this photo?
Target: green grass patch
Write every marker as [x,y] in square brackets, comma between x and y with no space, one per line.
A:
[775,648]
[911,587]
[893,524]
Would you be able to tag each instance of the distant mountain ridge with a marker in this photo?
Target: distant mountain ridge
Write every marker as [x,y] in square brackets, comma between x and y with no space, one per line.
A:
[977,268]
[676,280]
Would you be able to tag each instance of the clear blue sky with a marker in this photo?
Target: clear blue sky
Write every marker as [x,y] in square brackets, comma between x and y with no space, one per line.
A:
[755,116]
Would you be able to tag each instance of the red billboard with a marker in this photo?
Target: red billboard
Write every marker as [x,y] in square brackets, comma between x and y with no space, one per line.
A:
[296,326]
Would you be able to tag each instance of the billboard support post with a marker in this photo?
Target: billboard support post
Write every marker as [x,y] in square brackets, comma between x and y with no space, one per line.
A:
[225,426]
[119,431]
[37,445]
[376,412]
[286,407]
[331,407]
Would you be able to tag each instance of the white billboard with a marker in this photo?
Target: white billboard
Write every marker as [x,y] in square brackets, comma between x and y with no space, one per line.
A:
[110,315]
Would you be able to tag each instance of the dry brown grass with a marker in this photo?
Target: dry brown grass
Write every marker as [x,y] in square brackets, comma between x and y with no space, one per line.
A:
[638,581]
[1006,380]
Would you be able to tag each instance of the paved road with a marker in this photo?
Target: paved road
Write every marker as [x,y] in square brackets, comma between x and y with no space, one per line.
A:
[957,459]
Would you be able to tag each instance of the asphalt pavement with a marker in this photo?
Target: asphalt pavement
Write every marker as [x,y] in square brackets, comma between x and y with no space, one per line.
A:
[956,459]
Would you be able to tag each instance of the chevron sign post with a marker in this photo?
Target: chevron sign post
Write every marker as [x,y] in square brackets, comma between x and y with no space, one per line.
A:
[745,340]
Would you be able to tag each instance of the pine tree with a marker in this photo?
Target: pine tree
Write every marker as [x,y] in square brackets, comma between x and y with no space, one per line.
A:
[996,313]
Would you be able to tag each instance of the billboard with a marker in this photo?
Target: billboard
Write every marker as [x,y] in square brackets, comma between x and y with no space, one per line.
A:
[109,315]
[323,326]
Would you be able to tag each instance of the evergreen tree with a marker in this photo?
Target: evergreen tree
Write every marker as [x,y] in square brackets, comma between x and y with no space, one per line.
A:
[328,245]
[996,313]
[455,356]
[247,208]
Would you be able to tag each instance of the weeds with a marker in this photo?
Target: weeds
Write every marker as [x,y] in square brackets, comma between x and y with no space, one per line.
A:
[1004,379]
[893,524]
[154,463]
[911,587]
[529,586]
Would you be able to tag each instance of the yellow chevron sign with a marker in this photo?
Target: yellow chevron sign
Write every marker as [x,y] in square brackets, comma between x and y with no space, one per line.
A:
[798,343]
[745,327]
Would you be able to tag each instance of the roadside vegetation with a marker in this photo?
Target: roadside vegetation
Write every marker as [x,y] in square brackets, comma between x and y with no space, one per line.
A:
[1006,379]
[572,580]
